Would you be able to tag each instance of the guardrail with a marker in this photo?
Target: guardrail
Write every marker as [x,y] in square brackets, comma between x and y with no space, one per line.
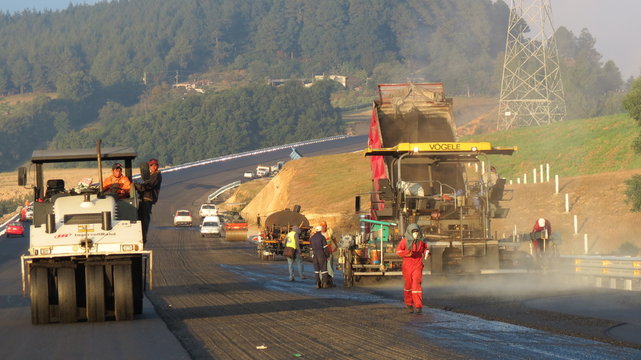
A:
[615,272]
[218,192]
[252,152]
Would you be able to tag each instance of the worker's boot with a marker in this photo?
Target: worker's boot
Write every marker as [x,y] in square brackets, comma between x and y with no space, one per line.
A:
[325,281]
[319,284]
[330,282]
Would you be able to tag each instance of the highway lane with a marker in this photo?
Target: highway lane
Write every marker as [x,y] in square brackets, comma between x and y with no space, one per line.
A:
[145,338]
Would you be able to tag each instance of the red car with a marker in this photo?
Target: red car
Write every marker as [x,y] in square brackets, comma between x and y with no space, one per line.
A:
[15,228]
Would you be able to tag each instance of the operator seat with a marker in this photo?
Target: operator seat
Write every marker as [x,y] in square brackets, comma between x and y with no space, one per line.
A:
[54,186]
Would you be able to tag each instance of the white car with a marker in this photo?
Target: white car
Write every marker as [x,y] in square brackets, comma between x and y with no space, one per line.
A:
[183,218]
[207,210]
[248,175]
[210,227]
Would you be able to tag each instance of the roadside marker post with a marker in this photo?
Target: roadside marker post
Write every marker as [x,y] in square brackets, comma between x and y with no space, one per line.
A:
[567,204]
[556,184]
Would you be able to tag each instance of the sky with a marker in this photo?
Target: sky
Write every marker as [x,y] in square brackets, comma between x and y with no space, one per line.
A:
[613,23]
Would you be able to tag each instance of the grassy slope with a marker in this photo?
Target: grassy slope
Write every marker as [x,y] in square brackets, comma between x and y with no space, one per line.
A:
[573,147]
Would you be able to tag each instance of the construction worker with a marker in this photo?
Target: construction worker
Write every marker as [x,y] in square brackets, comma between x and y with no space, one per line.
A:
[412,250]
[318,242]
[148,190]
[328,233]
[292,240]
[117,183]
[541,232]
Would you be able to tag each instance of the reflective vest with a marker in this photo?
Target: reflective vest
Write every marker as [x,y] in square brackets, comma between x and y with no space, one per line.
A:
[291,240]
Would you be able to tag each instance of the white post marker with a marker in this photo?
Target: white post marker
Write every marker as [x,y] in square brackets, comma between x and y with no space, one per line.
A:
[510,182]
[556,184]
[567,203]
[576,225]
[514,234]
[534,176]
[482,167]
[524,178]
[547,172]
[518,180]
[585,243]
[541,173]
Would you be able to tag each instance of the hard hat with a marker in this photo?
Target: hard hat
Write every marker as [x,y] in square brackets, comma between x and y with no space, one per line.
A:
[541,222]
[319,228]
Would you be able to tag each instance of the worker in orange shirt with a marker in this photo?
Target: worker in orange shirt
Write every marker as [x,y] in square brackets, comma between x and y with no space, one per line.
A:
[117,183]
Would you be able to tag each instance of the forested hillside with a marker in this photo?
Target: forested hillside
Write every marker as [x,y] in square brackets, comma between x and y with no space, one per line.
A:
[110,65]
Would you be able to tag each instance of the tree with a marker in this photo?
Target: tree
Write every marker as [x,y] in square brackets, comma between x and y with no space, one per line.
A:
[632,103]
[76,86]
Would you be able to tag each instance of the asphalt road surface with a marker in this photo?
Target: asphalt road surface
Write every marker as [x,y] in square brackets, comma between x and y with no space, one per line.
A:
[220,302]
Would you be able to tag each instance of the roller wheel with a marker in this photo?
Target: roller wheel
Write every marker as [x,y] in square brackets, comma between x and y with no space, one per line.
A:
[123,292]
[138,284]
[95,285]
[39,293]
[67,295]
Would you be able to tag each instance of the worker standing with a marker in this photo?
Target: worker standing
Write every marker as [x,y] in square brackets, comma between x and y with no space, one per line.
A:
[412,249]
[292,240]
[149,190]
[321,252]
[328,233]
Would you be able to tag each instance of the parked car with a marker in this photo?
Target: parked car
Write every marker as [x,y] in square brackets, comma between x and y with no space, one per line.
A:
[15,228]
[248,175]
[207,210]
[210,227]
[183,218]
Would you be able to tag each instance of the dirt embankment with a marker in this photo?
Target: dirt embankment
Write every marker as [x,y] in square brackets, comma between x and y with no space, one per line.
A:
[597,200]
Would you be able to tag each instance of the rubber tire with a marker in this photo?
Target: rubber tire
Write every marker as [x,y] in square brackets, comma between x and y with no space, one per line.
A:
[123,292]
[95,285]
[138,284]
[39,293]
[67,303]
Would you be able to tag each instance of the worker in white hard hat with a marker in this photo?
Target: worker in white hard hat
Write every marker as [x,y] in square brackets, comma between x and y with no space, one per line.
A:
[540,236]
[318,242]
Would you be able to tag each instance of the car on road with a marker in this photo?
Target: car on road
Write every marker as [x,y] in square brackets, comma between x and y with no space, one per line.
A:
[26,214]
[183,218]
[207,210]
[248,175]
[15,228]
[210,227]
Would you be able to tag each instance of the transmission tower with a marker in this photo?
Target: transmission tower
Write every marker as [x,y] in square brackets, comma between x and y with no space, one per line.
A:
[531,88]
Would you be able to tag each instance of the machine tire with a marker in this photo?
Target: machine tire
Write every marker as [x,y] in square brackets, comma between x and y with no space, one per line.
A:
[67,303]
[123,292]
[138,284]
[39,293]
[95,285]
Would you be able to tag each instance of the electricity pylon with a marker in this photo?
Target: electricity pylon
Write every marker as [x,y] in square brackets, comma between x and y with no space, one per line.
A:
[531,88]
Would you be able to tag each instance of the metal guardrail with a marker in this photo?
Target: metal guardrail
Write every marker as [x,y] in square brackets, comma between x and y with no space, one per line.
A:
[223,189]
[615,272]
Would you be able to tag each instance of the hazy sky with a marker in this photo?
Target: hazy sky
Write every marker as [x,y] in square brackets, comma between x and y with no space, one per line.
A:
[613,23]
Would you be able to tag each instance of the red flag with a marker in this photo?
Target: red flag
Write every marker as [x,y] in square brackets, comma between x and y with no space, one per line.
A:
[374,141]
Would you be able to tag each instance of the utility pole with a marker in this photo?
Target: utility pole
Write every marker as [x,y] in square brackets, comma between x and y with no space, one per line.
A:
[531,88]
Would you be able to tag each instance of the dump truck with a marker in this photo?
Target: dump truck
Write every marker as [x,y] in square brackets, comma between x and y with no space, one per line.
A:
[271,242]
[86,258]
[422,174]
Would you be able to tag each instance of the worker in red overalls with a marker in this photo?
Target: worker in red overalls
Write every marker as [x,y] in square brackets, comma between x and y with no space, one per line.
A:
[540,235]
[412,249]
